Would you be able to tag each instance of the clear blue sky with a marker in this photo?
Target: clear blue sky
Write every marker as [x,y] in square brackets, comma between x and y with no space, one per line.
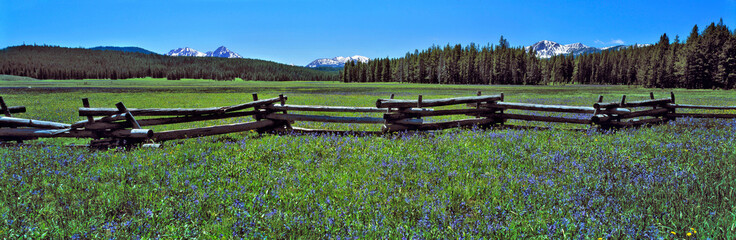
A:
[299,31]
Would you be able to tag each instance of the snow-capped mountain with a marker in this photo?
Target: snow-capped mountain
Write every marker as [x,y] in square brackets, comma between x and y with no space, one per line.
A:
[223,52]
[186,52]
[547,49]
[336,61]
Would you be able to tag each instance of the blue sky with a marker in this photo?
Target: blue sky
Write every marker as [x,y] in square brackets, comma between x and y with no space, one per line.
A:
[299,31]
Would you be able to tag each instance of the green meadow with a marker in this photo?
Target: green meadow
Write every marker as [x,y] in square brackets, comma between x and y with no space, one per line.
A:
[670,181]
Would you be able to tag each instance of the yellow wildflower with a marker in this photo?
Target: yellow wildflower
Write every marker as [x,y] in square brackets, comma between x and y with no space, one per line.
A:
[689,234]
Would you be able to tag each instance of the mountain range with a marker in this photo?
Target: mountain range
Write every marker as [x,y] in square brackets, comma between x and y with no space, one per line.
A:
[221,52]
[336,62]
[547,49]
[544,49]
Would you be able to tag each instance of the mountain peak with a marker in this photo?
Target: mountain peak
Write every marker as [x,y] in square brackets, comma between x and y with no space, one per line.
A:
[547,49]
[221,51]
[338,61]
[185,52]
[577,45]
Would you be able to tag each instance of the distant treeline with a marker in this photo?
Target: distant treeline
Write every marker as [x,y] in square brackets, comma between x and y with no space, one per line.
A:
[49,62]
[705,60]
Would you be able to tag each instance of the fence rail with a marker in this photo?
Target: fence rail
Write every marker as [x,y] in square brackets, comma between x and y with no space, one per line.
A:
[121,125]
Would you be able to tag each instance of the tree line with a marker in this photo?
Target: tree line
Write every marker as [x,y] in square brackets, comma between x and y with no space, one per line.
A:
[706,59]
[52,62]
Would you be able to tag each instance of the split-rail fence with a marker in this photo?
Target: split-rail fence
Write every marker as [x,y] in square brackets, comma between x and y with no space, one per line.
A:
[122,126]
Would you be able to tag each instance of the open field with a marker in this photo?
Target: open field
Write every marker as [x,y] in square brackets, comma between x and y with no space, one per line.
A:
[663,181]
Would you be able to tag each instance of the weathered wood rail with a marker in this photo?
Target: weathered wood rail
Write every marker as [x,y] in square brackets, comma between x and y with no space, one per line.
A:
[122,126]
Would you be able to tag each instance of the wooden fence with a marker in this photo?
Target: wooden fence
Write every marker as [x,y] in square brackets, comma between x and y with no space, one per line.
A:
[122,126]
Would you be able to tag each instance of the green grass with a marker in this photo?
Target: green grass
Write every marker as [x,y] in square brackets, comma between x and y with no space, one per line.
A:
[541,184]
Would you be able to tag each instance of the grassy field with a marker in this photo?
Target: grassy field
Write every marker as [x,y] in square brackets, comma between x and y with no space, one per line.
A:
[673,181]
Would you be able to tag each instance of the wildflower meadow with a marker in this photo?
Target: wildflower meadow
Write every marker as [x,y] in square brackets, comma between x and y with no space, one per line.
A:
[553,181]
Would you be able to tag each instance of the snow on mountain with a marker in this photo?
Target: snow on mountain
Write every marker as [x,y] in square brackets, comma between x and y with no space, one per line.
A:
[222,52]
[186,52]
[336,61]
[547,49]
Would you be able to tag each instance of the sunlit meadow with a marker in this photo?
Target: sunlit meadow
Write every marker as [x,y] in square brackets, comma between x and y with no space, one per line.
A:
[672,181]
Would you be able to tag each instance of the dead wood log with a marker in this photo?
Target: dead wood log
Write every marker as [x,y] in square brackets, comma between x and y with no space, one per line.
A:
[151,111]
[609,105]
[4,108]
[85,103]
[647,103]
[314,118]
[22,122]
[255,103]
[214,130]
[128,116]
[102,123]
[324,108]
[69,133]
[456,124]
[394,128]
[429,112]
[651,113]
[324,131]
[671,105]
[397,103]
[637,122]
[700,115]
[506,116]
[602,118]
[540,107]
[177,111]
[438,125]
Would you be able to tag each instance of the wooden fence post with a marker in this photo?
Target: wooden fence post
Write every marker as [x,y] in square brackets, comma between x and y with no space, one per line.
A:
[500,112]
[258,117]
[128,117]
[6,112]
[287,124]
[4,107]
[477,105]
[388,110]
[85,103]
[673,110]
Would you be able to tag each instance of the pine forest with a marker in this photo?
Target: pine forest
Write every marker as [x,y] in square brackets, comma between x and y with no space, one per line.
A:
[705,60]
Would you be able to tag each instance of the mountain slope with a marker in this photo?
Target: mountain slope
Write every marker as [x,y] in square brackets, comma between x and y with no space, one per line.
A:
[185,52]
[123,49]
[336,62]
[547,49]
[223,52]
[44,62]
